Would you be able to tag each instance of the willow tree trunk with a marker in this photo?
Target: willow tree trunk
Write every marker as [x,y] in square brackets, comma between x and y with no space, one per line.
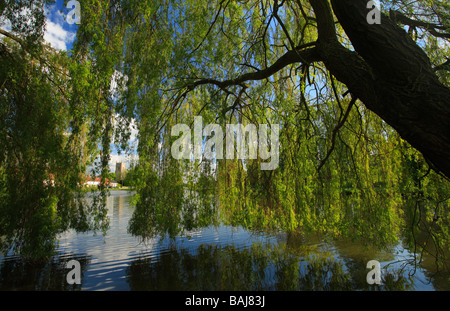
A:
[390,74]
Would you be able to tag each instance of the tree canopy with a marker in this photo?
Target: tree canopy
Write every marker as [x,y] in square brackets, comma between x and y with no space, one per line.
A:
[363,110]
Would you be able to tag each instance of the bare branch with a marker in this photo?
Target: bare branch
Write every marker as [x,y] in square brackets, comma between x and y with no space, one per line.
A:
[336,131]
[293,56]
[430,27]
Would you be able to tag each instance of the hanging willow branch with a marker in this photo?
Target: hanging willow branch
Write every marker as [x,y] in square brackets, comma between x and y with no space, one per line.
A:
[335,132]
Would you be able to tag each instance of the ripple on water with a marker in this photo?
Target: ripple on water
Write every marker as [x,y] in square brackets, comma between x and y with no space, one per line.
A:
[119,261]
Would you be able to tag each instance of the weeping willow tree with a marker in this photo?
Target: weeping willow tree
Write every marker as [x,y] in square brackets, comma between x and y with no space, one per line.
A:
[362,109]
[55,123]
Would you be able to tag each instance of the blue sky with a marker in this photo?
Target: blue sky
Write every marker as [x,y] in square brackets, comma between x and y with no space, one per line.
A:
[59,33]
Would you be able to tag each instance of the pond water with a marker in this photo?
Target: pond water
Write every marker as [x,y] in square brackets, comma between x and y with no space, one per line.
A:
[215,258]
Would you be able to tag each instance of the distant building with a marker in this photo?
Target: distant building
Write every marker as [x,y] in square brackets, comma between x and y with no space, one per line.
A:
[113,184]
[90,182]
[121,171]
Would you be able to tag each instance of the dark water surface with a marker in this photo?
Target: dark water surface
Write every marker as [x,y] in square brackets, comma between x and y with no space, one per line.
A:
[215,258]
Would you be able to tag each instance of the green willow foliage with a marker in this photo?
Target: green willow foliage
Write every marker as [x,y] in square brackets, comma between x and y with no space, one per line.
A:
[343,172]
[49,136]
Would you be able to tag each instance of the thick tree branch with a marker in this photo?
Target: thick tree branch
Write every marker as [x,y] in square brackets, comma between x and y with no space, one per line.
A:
[347,66]
[14,37]
[325,21]
[301,54]
[406,93]
[385,47]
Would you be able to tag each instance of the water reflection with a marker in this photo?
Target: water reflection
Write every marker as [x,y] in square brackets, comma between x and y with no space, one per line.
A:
[259,267]
[214,258]
[17,274]
[215,267]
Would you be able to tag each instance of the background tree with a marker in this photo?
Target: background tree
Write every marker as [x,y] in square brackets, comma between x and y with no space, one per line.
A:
[49,136]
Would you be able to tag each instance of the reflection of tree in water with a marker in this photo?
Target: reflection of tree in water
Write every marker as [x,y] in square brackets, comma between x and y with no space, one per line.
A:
[181,211]
[19,274]
[259,267]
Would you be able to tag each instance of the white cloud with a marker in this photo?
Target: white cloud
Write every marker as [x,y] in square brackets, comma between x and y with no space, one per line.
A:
[57,36]
[5,24]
